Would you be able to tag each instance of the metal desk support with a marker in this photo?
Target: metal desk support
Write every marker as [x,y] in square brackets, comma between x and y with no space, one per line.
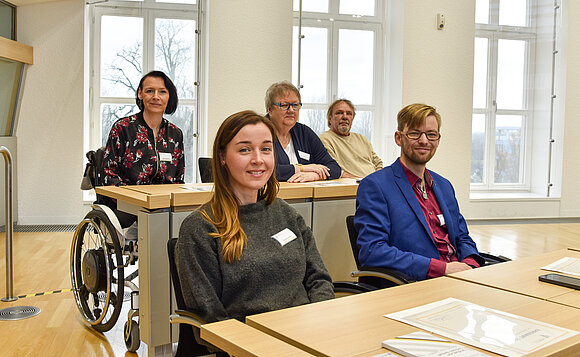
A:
[9,225]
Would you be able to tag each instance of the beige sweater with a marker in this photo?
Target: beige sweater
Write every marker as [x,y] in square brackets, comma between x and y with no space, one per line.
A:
[354,153]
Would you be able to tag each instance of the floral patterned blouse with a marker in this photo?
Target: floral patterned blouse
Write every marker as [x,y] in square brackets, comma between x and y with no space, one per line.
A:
[133,157]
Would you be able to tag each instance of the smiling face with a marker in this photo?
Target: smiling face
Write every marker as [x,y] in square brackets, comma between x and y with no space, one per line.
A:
[341,119]
[249,159]
[284,120]
[154,95]
[418,152]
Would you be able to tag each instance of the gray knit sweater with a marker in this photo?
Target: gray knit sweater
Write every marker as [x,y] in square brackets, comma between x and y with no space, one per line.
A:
[268,277]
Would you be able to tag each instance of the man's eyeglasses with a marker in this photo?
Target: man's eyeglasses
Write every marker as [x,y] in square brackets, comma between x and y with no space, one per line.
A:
[430,135]
[286,106]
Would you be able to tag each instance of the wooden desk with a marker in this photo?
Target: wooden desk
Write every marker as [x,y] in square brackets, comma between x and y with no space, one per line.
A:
[521,276]
[355,325]
[332,202]
[241,340]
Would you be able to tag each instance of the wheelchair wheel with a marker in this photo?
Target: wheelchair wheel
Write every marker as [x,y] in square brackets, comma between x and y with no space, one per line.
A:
[132,340]
[96,263]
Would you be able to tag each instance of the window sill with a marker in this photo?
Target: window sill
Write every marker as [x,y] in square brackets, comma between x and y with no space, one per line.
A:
[509,196]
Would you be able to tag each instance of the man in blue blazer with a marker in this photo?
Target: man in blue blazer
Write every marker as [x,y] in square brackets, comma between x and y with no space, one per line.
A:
[407,217]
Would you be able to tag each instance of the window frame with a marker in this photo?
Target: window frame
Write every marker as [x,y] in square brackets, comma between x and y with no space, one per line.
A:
[495,32]
[149,11]
[334,22]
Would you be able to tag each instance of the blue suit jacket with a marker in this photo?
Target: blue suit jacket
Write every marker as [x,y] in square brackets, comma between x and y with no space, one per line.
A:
[393,232]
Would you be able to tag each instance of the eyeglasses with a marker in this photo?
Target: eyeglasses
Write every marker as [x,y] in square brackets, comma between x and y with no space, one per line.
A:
[430,135]
[286,106]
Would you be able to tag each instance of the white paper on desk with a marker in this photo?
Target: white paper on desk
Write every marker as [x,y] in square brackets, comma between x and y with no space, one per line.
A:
[489,329]
[342,182]
[565,265]
[204,188]
[423,344]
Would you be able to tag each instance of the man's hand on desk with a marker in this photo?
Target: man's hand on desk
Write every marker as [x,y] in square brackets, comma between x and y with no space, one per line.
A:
[454,267]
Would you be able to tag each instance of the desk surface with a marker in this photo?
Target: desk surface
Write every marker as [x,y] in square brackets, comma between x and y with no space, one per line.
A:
[355,325]
[521,276]
[136,197]
[175,195]
[239,339]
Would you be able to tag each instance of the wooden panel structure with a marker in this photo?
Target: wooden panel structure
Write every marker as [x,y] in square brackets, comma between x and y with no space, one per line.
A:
[241,340]
[16,51]
[41,264]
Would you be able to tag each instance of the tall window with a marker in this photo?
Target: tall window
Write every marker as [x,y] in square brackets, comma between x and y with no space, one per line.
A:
[510,95]
[130,38]
[339,57]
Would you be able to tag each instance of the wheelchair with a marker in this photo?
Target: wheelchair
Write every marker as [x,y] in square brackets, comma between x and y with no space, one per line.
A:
[100,255]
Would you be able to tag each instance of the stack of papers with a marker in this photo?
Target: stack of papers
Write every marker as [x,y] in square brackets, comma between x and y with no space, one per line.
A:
[423,344]
[489,329]
[565,265]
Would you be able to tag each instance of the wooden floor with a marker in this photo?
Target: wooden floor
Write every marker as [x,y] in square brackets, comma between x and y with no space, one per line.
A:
[41,264]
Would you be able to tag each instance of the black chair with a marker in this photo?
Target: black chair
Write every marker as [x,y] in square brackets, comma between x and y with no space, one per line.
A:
[372,276]
[383,277]
[205,171]
[187,344]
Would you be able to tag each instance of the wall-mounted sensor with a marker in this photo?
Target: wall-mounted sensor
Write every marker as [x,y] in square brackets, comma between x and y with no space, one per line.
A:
[440,21]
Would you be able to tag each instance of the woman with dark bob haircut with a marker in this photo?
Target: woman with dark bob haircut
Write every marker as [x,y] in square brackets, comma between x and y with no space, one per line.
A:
[145,148]
[246,251]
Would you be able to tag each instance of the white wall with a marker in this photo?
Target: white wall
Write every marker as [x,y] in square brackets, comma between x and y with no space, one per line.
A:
[249,47]
[438,70]
[50,126]
[570,203]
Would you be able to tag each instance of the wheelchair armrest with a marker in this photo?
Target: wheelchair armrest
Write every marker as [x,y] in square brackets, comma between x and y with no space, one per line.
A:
[493,259]
[391,275]
[352,287]
[186,317]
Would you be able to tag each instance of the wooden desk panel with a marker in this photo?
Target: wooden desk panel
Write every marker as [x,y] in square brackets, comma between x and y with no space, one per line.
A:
[571,298]
[134,197]
[355,325]
[341,188]
[291,191]
[241,340]
[521,276]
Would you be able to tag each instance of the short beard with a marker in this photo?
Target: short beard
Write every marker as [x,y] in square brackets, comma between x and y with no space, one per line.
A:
[344,130]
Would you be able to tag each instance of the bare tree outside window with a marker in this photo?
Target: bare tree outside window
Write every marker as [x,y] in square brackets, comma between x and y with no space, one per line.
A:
[174,54]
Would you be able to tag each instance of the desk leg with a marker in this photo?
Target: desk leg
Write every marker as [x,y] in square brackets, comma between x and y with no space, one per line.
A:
[331,235]
[154,277]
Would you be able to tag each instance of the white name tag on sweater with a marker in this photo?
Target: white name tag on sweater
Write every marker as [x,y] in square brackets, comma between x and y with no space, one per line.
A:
[441,219]
[284,237]
[304,155]
[165,156]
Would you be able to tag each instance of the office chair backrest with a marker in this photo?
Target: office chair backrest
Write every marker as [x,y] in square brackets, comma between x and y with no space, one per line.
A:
[352,235]
[205,172]
[187,345]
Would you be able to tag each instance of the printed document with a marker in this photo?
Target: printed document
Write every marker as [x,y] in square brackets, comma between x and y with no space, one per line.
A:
[489,329]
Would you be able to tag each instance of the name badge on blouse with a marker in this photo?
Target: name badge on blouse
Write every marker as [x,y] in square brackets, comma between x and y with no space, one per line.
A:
[441,220]
[304,155]
[165,156]
[285,236]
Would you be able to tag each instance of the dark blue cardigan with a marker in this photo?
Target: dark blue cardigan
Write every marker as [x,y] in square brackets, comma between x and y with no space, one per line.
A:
[306,141]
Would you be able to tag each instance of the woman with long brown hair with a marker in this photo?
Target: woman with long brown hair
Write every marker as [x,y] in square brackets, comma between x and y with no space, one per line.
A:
[246,251]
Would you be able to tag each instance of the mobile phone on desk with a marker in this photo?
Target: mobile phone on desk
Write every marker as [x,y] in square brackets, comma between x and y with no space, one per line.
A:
[561,280]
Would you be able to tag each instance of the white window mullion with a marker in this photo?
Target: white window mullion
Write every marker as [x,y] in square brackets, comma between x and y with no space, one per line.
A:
[333,63]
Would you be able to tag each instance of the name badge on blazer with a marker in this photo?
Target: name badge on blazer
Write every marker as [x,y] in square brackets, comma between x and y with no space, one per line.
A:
[284,237]
[304,155]
[165,156]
